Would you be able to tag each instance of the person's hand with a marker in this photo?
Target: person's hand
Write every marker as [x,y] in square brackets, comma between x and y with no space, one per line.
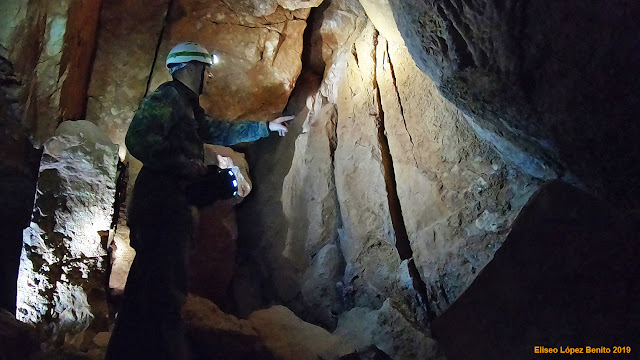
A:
[280,125]
[194,168]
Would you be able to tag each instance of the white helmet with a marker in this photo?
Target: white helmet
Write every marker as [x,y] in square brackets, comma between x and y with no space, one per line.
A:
[185,52]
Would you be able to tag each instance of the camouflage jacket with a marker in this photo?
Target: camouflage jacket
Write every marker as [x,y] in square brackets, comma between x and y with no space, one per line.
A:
[170,128]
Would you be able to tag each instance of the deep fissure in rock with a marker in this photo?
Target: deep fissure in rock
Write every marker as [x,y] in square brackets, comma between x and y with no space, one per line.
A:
[403,244]
[158,44]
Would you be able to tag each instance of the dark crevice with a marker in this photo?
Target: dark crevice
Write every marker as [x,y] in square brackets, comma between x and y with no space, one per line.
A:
[402,239]
[460,47]
[158,44]
[403,244]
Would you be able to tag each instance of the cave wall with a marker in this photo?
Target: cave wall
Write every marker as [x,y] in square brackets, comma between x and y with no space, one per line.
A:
[389,194]
[537,79]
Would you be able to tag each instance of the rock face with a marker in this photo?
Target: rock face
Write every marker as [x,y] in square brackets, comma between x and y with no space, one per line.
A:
[18,171]
[390,197]
[569,256]
[537,79]
[126,47]
[62,267]
[216,335]
[260,57]
[52,43]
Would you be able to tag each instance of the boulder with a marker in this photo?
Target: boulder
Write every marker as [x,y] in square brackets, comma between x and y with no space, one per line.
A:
[389,330]
[214,335]
[62,266]
[289,338]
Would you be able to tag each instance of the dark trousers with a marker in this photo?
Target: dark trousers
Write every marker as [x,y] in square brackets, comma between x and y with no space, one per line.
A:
[149,324]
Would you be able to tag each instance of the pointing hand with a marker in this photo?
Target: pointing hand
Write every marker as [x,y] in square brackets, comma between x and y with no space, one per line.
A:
[280,124]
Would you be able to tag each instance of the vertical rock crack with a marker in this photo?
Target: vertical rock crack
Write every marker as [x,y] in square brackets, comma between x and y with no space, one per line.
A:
[403,245]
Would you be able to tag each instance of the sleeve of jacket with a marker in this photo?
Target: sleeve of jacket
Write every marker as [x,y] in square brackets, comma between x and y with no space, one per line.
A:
[225,133]
[147,137]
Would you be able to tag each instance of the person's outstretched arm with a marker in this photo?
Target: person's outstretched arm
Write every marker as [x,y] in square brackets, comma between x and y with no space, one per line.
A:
[226,133]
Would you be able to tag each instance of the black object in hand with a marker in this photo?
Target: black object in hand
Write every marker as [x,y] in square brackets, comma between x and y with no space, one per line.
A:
[216,184]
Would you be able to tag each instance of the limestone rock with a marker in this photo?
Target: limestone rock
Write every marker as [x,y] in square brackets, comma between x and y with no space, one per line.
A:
[308,198]
[216,335]
[368,239]
[126,47]
[260,57]
[319,287]
[379,11]
[458,198]
[568,256]
[259,8]
[61,276]
[52,44]
[122,255]
[537,81]
[289,338]
[389,330]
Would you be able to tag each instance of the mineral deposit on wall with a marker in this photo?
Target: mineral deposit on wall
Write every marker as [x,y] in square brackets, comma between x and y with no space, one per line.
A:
[62,267]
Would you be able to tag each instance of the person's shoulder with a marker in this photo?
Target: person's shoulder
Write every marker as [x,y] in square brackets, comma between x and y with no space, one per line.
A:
[164,92]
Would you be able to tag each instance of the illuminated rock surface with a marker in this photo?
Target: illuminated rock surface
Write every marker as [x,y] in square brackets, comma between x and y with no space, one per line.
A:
[259,56]
[51,44]
[62,266]
[538,81]
[422,202]
[288,337]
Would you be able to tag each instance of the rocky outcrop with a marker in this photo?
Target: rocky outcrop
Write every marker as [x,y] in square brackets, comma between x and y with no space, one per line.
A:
[259,56]
[273,333]
[61,279]
[568,264]
[536,79]
[422,202]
